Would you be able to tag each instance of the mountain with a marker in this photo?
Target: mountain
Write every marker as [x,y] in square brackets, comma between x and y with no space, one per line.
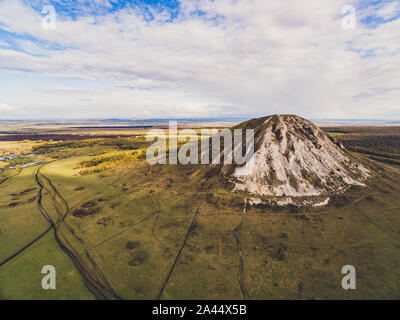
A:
[296,162]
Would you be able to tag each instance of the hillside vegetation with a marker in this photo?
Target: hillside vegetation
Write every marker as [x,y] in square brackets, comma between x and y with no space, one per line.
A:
[129,230]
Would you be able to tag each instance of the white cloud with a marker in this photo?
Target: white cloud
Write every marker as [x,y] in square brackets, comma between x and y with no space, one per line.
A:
[4,106]
[389,10]
[30,47]
[263,57]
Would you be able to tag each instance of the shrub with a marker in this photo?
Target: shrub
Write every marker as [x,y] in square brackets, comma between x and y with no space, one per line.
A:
[108,161]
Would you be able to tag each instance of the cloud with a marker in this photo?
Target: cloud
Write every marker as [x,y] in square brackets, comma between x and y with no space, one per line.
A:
[389,10]
[30,47]
[251,57]
[4,107]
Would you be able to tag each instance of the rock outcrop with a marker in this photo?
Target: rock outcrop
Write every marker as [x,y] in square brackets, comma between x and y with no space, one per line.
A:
[295,158]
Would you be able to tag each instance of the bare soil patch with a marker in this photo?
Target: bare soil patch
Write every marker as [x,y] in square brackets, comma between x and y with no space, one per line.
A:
[83,212]
[138,258]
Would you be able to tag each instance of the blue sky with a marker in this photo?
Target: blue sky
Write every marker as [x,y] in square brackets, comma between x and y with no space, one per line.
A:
[75,8]
[199,58]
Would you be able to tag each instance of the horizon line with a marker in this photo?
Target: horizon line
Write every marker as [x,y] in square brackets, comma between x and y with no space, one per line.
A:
[197,119]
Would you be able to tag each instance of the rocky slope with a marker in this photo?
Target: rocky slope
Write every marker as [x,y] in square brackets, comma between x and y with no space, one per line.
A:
[295,158]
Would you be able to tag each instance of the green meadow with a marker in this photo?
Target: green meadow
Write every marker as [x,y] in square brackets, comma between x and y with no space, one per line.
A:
[134,231]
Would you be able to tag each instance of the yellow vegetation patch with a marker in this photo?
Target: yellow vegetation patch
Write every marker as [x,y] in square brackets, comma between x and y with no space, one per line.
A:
[16,147]
[109,160]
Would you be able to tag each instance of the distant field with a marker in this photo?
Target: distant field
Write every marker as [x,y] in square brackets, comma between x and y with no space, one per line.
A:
[377,143]
[335,134]
[51,137]
[65,131]
[14,147]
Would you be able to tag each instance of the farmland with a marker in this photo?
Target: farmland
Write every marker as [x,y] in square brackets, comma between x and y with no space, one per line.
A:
[377,143]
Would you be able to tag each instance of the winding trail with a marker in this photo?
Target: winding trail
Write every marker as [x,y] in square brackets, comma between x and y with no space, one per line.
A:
[12,176]
[191,227]
[26,246]
[39,199]
[378,227]
[243,289]
[100,289]
[126,230]
[31,242]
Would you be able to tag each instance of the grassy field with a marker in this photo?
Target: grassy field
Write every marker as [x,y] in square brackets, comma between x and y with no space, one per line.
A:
[21,277]
[19,212]
[17,148]
[136,231]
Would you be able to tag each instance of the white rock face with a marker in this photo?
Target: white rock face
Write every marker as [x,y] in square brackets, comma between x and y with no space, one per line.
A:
[322,203]
[295,158]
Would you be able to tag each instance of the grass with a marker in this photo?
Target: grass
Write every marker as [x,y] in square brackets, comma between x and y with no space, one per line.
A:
[335,134]
[19,213]
[21,277]
[140,238]
[17,148]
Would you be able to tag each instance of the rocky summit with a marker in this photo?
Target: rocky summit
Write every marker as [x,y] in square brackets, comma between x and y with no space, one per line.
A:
[295,158]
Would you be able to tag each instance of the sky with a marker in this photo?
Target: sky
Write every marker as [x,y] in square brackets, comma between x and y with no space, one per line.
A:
[199,58]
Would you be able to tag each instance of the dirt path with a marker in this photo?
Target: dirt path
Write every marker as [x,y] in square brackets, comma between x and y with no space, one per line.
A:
[126,230]
[235,231]
[100,288]
[12,176]
[379,227]
[91,278]
[9,177]
[192,224]
[103,189]
[26,246]
[34,240]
